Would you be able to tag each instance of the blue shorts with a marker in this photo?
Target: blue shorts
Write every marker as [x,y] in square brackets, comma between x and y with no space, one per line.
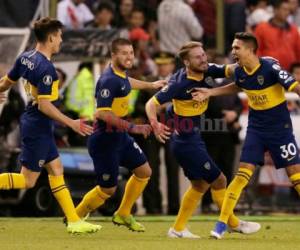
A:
[281,146]
[37,149]
[109,151]
[191,154]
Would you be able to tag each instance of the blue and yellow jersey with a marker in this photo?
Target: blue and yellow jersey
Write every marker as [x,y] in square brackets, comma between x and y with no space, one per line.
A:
[265,87]
[179,89]
[112,93]
[41,81]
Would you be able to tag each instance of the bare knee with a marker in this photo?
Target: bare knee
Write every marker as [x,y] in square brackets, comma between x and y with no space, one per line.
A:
[109,191]
[29,183]
[220,182]
[143,171]
[200,186]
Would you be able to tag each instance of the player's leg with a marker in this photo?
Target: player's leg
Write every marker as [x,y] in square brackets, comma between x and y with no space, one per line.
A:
[218,190]
[134,159]
[294,174]
[190,201]
[63,196]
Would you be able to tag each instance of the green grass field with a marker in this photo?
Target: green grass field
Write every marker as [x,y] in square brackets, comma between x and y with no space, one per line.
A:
[278,232]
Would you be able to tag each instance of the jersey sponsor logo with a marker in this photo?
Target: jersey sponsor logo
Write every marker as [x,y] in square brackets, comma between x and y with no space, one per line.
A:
[276,67]
[105,177]
[105,93]
[41,163]
[260,79]
[47,80]
[29,64]
[283,74]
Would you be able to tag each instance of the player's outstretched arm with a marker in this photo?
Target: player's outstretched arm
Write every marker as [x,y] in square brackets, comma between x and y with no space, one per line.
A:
[50,110]
[114,121]
[297,89]
[138,84]
[201,94]
[161,131]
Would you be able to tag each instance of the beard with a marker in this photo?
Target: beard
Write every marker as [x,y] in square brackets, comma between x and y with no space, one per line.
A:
[198,69]
[122,66]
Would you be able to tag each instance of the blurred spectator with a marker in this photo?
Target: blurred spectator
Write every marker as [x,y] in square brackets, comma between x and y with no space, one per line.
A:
[124,13]
[294,17]
[152,195]
[259,12]
[103,16]
[177,24]
[278,38]
[206,14]
[234,19]
[295,70]
[80,92]
[73,13]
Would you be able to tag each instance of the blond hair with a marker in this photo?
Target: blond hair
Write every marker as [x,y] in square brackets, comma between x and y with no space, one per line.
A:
[185,49]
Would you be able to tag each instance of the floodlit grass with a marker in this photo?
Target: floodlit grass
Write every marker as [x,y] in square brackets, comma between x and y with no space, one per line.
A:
[278,232]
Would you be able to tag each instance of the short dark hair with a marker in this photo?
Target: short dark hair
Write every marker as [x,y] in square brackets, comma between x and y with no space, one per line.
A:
[247,38]
[105,6]
[119,42]
[46,26]
[185,49]
[294,66]
[277,3]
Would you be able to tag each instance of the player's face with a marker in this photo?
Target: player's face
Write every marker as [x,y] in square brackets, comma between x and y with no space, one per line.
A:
[197,60]
[124,57]
[56,41]
[240,51]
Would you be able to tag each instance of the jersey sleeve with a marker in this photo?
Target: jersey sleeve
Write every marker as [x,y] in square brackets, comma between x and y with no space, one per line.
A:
[47,84]
[14,74]
[167,93]
[106,91]
[218,70]
[283,77]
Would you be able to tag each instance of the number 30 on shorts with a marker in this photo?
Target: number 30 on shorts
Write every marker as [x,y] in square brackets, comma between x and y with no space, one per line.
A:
[288,150]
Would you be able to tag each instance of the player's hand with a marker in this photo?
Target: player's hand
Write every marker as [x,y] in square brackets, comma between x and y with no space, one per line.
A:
[2,97]
[159,84]
[81,127]
[143,129]
[201,94]
[230,115]
[161,131]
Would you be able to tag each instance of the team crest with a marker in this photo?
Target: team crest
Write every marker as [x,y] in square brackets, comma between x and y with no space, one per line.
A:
[260,79]
[105,93]
[41,163]
[165,88]
[207,165]
[105,177]
[209,81]
[47,80]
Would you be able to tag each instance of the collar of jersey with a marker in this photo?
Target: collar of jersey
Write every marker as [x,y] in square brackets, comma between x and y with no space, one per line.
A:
[195,78]
[252,71]
[118,73]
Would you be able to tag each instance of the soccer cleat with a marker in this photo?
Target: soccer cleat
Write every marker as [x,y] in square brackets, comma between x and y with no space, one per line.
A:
[219,230]
[172,233]
[65,221]
[82,227]
[128,222]
[245,227]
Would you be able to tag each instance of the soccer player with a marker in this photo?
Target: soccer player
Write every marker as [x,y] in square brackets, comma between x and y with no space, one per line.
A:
[269,127]
[110,146]
[38,146]
[186,143]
